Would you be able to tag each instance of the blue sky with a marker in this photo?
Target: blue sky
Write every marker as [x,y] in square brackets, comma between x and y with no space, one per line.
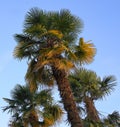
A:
[101,25]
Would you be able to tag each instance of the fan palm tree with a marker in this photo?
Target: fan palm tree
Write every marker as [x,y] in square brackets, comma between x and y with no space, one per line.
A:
[35,109]
[49,43]
[88,87]
[112,120]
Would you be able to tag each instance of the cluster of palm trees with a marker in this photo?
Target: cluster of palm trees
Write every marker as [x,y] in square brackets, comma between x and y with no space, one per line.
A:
[88,87]
[48,42]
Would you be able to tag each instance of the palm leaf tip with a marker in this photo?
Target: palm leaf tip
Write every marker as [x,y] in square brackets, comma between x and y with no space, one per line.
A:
[85,52]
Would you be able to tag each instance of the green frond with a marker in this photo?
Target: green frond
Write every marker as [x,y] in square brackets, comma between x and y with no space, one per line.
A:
[35,17]
[54,114]
[67,23]
[86,83]
[44,98]
[26,47]
[10,107]
[107,85]
[36,30]
[85,52]
[64,22]
[25,107]
[112,120]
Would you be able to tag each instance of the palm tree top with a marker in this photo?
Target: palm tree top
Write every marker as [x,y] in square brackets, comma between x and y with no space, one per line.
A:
[25,105]
[62,20]
[92,85]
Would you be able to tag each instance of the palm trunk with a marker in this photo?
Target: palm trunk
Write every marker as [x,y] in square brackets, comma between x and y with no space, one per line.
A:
[92,112]
[67,97]
[33,118]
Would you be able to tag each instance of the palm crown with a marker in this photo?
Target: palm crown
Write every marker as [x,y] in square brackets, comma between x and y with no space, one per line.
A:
[48,38]
[25,107]
[87,87]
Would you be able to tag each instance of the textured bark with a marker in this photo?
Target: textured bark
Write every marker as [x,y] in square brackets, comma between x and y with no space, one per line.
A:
[67,97]
[92,113]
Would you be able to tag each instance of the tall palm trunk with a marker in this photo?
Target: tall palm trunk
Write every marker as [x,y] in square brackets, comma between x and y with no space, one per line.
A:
[92,112]
[67,97]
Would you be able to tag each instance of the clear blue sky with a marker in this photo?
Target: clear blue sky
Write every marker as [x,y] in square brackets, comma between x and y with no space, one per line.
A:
[101,25]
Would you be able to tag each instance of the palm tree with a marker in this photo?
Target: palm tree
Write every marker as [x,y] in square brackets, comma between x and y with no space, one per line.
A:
[112,120]
[49,43]
[28,108]
[88,87]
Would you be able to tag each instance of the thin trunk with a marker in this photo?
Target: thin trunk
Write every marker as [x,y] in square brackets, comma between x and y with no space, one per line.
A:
[92,112]
[67,97]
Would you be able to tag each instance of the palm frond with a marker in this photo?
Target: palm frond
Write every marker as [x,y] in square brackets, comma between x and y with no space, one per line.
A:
[27,47]
[11,105]
[107,85]
[31,76]
[85,52]
[57,33]
[34,17]
[112,119]
[44,97]
[54,114]
[70,25]
[36,30]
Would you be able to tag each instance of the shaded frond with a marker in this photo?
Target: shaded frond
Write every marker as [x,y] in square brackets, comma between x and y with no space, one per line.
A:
[35,17]
[68,24]
[54,114]
[26,47]
[44,98]
[40,76]
[31,76]
[107,85]
[11,105]
[36,30]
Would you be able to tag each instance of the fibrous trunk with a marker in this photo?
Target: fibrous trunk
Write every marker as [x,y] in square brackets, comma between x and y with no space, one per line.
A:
[67,97]
[92,113]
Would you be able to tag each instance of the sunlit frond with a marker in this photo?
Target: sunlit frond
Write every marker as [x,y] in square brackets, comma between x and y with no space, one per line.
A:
[63,64]
[56,33]
[85,52]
